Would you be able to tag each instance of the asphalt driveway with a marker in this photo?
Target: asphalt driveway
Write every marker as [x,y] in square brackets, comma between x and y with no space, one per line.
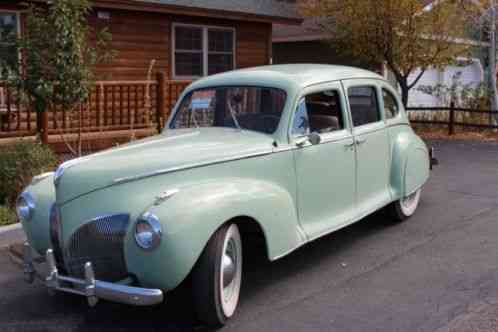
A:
[436,272]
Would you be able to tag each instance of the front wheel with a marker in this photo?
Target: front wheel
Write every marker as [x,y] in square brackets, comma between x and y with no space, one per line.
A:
[405,207]
[217,277]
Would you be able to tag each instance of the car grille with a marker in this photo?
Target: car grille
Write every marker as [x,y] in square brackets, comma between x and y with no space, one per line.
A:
[101,242]
[55,228]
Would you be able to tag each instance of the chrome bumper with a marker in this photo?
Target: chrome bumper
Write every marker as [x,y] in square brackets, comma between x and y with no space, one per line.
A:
[89,287]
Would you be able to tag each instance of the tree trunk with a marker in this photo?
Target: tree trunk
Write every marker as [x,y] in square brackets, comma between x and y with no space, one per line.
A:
[403,85]
[42,125]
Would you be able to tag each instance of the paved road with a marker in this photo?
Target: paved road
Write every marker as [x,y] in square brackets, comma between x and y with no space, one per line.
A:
[436,272]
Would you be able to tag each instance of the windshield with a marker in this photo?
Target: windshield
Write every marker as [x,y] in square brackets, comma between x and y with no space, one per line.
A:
[251,108]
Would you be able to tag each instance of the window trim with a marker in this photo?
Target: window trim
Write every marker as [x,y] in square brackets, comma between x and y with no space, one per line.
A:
[205,48]
[378,98]
[18,19]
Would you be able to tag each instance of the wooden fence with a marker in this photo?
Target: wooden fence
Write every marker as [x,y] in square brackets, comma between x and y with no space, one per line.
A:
[113,105]
[454,117]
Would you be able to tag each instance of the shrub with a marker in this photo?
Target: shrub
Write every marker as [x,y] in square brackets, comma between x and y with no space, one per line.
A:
[19,162]
[7,216]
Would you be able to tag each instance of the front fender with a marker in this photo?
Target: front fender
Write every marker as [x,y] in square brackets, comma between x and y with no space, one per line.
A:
[410,163]
[37,229]
[193,215]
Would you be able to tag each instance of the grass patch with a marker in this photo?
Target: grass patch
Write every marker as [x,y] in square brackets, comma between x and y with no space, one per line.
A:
[7,216]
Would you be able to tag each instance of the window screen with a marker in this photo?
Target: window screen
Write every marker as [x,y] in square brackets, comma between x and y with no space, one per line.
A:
[364,105]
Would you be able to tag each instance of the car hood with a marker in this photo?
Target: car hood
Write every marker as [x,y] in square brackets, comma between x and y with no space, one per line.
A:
[171,151]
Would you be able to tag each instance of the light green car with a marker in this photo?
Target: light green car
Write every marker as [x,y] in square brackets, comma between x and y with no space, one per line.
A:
[273,156]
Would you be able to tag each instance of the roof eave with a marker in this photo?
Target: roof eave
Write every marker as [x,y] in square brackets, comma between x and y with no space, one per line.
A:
[200,12]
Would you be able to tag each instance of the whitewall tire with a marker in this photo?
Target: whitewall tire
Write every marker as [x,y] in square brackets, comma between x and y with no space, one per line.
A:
[405,207]
[217,277]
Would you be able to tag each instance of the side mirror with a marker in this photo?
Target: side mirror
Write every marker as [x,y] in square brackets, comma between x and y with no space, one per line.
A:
[314,139]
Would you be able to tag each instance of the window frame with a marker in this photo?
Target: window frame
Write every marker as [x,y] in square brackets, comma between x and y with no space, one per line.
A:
[19,25]
[205,48]
[378,98]
[342,107]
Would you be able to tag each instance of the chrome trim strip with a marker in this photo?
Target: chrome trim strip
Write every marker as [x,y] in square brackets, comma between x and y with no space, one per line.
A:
[189,166]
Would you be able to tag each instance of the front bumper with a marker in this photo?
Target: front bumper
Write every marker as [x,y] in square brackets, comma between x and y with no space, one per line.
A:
[89,287]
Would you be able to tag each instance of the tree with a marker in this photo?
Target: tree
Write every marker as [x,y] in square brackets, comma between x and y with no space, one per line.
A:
[58,54]
[405,35]
[483,15]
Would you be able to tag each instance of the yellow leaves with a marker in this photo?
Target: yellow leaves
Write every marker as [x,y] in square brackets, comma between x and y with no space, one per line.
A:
[404,33]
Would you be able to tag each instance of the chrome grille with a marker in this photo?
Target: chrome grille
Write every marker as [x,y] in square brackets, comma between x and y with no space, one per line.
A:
[55,227]
[101,242]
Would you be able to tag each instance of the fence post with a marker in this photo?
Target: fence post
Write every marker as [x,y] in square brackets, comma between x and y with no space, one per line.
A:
[44,126]
[160,100]
[451,126]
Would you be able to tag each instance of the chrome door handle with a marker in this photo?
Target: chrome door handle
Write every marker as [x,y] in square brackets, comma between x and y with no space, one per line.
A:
[360,141]
[350,145]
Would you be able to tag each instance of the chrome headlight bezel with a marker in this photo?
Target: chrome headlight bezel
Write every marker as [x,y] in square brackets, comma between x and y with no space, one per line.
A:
[148,231]
[25,206]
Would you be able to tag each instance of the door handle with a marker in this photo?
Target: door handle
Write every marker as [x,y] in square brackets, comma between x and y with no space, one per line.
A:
[350,145]
[360,141]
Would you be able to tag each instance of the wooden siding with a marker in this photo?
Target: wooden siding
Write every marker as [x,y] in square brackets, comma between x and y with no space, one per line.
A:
[139,37]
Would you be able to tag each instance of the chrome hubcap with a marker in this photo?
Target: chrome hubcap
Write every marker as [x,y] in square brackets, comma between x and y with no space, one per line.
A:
[229,269]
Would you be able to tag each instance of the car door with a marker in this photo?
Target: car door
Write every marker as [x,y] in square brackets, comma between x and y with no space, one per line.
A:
[372,145]
[325,171]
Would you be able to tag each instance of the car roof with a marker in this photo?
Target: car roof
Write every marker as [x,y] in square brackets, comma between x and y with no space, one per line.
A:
[285,76]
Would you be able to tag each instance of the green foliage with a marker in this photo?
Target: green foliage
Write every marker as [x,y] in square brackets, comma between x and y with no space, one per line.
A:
[19,162]
[58,55]
[7,216]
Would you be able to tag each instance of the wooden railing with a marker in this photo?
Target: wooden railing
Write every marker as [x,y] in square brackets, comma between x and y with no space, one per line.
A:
[113,105]
[453,117]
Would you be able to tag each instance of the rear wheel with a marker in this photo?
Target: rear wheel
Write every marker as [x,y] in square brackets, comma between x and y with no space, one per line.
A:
[217,277]
[405,207]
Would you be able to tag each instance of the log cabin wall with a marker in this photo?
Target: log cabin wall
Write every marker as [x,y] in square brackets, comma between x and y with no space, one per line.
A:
[139,37]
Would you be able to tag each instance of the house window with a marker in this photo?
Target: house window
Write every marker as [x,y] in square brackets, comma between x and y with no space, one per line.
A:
[9,26]
[200,51]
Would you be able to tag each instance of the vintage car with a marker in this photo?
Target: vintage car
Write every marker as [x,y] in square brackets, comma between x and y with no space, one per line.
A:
[274,156]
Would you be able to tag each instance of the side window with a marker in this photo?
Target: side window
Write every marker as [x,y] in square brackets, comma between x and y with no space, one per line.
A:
[391,107]
[319,112]
[301,125]
[364,105]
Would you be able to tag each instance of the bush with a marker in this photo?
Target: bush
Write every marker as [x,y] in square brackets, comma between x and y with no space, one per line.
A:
[7,216]
[19,162]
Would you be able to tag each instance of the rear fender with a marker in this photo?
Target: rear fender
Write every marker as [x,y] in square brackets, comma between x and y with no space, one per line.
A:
[410,163]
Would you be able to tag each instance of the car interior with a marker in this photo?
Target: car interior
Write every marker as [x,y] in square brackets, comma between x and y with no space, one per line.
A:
[324,112]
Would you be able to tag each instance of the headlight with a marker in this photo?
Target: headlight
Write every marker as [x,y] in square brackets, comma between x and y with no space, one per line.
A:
[25,206]
[148,231]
